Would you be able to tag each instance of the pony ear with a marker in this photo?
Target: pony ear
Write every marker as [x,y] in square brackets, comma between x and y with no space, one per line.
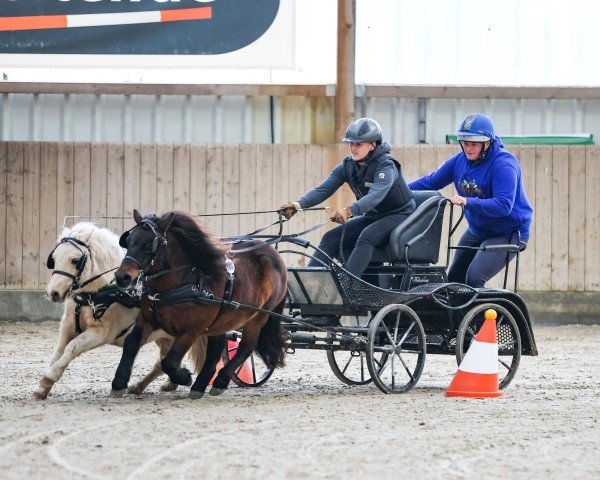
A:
[137,216]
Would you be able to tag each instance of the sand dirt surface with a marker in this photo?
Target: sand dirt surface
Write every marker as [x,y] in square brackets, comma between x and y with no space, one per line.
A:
[303,423]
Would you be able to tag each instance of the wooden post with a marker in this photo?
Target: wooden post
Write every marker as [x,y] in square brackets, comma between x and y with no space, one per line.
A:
[345,90]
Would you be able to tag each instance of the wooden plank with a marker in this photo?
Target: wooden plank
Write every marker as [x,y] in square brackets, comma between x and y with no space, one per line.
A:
[31,214]
[198,158]
[231,189]
[164,178]
[214,188]
[592,217]
[297,168]
[65,179]
[345,196]
[82,181]
[50,224]
[281,173]
[543,208]
[14,216]
[527,260]
[264,182]
[248,192]
[131,182]
[148,179]
[560,218]
[181,177]
[577,204]
[98,172]
[316,156]
[115,174]
[3,219]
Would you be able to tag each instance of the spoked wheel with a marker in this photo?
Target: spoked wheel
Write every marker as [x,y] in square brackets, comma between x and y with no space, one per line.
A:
[350,366]
[509,339]
[397,332]
[252,373]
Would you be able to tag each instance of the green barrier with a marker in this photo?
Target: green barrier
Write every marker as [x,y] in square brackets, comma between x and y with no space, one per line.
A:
[572,139]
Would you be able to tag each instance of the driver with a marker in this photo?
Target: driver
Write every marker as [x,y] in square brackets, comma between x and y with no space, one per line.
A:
[383,197]
[490,187]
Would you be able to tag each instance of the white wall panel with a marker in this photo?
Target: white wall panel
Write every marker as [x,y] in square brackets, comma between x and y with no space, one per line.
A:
[241,119]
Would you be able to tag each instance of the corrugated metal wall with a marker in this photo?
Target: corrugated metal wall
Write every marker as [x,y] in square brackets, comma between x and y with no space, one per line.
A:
[295,119]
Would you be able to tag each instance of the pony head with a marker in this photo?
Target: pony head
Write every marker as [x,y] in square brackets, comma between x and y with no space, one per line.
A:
[81,252]
[172,241]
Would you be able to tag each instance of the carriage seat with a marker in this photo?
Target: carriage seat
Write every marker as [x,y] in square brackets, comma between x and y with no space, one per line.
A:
[424,243]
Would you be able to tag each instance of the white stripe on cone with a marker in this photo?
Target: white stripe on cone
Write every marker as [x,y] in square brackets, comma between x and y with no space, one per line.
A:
[482,357]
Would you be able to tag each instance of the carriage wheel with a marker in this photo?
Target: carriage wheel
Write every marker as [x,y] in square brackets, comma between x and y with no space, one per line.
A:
[509,339]
[350,366]
[259,372]
[396,331]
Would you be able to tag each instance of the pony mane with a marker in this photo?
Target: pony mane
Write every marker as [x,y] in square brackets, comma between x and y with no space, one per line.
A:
[201,248]
[104,246]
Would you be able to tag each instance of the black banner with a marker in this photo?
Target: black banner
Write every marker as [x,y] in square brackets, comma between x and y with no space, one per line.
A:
[129,27]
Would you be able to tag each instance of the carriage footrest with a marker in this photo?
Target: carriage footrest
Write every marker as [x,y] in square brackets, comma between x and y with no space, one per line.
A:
[301,337]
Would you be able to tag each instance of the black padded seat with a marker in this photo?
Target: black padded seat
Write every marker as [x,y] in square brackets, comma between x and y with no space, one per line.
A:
[424,250]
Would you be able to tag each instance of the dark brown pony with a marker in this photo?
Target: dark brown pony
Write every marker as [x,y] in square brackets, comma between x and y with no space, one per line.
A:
[169,252]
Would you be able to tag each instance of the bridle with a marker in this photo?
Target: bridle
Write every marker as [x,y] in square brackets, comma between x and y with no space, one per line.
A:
[159,241]
[80,265]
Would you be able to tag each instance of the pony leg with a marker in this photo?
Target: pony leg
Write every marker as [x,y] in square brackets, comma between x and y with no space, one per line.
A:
[171,364]
[88,340]
[214,350]
[245,348]
[137,389]
[131,347]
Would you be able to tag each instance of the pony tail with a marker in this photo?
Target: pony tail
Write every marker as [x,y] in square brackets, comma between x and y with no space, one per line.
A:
[271,340]
[197,353]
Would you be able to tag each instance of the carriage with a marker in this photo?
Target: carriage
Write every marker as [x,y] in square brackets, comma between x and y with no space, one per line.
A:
[377,328]
[380,327]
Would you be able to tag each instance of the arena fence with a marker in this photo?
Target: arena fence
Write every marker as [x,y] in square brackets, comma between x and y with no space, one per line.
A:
[42,183]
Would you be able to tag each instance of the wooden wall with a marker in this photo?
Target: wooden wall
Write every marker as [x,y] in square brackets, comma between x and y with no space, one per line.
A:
[42,183]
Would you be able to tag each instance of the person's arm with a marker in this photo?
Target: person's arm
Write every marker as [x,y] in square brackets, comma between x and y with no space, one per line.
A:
[385,176]
[504,188]
[437,180]
[315,196]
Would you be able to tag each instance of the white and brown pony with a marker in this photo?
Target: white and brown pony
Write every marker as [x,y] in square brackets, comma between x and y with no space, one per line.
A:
[81,264]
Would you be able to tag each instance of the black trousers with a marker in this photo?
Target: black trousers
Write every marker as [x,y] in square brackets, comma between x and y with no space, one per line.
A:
[362,235]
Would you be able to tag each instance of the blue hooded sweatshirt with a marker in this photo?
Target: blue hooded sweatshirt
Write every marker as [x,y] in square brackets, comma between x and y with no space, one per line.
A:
[496,201]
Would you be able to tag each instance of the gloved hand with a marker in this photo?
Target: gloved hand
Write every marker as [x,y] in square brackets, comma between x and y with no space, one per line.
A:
[288,210]
[341,216]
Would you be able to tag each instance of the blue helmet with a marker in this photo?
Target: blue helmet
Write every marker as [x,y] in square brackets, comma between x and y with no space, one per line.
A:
[476,128]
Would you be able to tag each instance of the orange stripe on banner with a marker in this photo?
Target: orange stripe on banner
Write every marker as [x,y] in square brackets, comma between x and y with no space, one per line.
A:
[39,22]
[199,13]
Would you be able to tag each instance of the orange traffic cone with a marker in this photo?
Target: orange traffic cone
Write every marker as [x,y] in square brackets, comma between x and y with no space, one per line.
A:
[477,375]
[245,373]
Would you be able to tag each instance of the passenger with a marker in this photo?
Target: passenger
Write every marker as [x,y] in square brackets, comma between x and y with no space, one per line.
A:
[383,197]
[490,186]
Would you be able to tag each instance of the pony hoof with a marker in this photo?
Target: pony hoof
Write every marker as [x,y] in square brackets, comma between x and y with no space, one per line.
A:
[168,387]
[135,390]
[216,391]
[39,396]
[117,393]
[195,394]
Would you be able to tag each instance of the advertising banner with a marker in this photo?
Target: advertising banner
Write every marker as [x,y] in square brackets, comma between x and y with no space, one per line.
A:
[147,33]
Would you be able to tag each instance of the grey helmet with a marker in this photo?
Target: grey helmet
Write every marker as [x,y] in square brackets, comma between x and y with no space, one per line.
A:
[363,130]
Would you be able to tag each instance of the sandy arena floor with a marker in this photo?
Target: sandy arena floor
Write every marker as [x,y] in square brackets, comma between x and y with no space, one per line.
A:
[303,423]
